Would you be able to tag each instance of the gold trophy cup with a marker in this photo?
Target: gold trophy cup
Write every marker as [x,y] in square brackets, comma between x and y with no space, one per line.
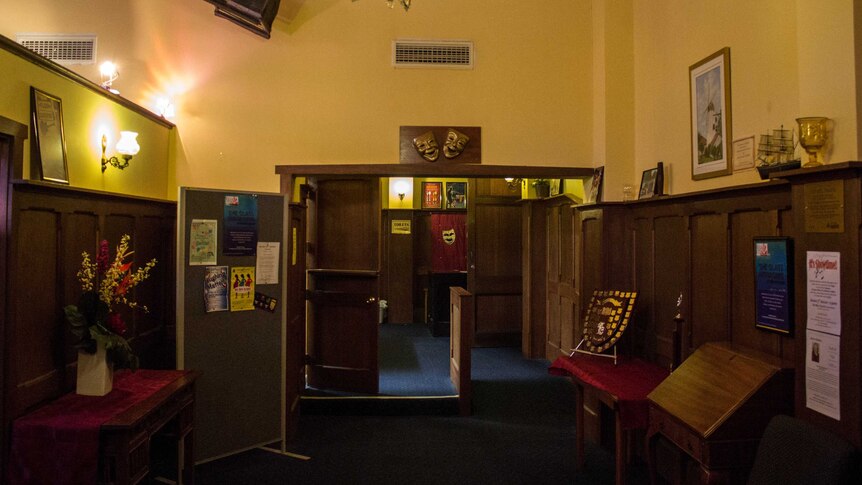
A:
[813,132]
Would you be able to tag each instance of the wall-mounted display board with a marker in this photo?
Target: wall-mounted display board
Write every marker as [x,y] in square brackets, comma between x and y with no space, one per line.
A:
[239,353]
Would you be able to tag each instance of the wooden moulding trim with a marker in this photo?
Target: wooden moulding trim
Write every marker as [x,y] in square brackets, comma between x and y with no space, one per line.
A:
[65,189]
[434,170]
[45,63]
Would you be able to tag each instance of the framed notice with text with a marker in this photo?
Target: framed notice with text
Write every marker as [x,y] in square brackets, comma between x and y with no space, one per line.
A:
[773,284]
[49,143]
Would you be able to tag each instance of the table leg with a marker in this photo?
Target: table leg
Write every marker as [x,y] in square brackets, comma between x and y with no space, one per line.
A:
[579,426]
[621,446]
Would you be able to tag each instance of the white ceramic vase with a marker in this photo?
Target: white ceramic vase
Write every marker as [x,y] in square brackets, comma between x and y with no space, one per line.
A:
[95,374]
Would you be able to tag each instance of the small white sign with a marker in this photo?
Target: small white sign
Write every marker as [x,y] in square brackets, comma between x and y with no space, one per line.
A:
[743,153]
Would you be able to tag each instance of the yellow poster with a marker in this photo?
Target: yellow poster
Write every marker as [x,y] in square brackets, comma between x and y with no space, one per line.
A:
[241,288]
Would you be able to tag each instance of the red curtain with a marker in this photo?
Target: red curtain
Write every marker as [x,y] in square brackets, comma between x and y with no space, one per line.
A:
[449,242]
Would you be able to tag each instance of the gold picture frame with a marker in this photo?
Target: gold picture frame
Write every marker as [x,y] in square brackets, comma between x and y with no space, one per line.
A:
[709,93]
[48,149]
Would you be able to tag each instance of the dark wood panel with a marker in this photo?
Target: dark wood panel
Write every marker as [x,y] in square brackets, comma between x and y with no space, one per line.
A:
[671,272]
[535,280]
[348,210]
[498,321]
[34,349]
[710,318]
[397,269]
[745,226]
[647,340]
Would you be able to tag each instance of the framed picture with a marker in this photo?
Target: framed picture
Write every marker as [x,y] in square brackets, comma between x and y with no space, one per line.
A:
[456,195]
[556,186]
[773,284]
[432,193]
[594,192]
[648,180]
[48,149]
[709,87]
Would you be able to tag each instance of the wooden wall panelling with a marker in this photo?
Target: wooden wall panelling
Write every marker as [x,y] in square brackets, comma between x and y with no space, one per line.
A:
[566,289]
[849,245]
[553,340]
[494,256]
[397,268]
[535,281]
[745,226]
[710,282]
[671,270]
[49,228]
[642,328]
[421,265]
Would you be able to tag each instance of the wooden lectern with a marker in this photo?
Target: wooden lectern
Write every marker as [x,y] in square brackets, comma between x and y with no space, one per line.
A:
[715,407]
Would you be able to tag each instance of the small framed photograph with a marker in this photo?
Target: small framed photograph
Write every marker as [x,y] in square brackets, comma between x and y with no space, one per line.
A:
[709,88]
[432,195]
[594,193]
[556,186]
[773,284]
[48,148]
[648,180]
[456,195]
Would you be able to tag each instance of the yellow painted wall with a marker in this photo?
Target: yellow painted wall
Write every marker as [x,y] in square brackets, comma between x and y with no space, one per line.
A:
[561,82]
[788,59]
[86,115]
[323,90]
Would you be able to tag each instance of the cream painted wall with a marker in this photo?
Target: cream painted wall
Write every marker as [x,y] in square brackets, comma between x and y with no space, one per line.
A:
[788,59]
[561,82]
[323,90]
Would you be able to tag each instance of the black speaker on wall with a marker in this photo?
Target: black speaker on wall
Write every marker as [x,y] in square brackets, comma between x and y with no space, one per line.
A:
[254,15]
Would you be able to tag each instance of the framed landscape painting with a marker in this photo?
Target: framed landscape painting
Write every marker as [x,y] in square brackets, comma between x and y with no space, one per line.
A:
[709,87]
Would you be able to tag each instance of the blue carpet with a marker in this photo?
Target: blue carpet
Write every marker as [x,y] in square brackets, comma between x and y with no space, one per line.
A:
[412,362]
[522,432]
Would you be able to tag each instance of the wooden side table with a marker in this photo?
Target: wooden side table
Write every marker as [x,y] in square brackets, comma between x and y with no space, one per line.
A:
[623,387]
[81,439]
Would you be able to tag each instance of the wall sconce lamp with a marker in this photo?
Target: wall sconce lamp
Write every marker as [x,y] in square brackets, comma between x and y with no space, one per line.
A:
[401,189]
[127,147]
[514,183]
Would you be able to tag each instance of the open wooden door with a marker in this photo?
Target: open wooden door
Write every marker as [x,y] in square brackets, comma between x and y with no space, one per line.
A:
[461,316]
[494,262]
[343,285]
[294,345]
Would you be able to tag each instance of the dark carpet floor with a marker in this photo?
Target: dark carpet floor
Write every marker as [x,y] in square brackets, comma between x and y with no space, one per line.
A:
[521,432]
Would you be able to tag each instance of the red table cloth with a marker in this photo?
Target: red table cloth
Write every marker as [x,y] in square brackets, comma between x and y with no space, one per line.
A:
[630,380]
[59,442]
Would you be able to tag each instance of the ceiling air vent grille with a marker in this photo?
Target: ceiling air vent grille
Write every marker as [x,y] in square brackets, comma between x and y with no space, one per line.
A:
[432,54]
[62,48]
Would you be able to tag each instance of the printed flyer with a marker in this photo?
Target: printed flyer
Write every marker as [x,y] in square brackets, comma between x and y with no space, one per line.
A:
[203,245]
[240,225]
[242,288]
[215,289]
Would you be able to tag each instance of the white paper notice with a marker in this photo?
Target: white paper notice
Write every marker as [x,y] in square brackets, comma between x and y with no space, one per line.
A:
[267,263]
[822,357]
[824,291]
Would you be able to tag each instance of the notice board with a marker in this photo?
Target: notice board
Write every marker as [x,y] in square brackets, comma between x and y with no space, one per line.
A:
[239,396]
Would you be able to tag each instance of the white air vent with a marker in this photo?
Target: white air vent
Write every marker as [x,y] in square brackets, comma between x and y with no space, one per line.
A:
[62,48]
[432,54]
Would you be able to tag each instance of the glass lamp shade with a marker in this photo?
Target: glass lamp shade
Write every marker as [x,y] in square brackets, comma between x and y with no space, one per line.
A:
[128,144]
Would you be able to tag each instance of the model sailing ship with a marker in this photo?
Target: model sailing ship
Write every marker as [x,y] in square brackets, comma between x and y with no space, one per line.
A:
[775,152]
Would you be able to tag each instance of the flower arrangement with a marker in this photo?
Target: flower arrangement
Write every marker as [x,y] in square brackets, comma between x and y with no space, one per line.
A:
[106,283]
